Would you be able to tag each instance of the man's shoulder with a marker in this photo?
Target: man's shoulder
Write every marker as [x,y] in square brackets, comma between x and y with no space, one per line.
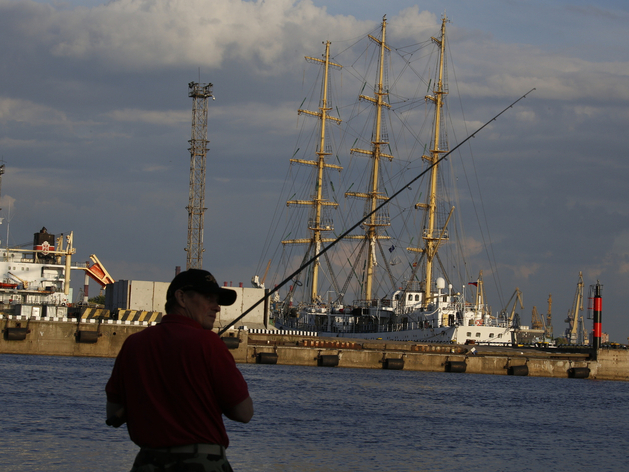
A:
[176,325]
[166,338]
[182,322]
[172,328]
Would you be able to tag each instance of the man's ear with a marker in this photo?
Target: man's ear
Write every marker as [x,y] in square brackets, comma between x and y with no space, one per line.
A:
[179,296]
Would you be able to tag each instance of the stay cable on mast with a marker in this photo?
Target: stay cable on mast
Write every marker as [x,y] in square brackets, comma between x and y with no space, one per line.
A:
[366,216]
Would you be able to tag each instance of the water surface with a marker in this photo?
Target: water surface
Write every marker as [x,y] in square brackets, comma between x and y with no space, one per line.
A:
[331,419]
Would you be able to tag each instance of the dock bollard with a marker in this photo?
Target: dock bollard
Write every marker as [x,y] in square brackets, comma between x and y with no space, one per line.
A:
[456,366]
[15,334]
[518,370]
[231,342]
[578,372]
[393,364]
[87,337]
[328,360]
[266,358]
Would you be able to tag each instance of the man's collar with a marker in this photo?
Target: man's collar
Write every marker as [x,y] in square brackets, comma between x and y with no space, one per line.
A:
[177,318]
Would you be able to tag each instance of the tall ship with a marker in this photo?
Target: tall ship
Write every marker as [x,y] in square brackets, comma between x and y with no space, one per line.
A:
[399,262]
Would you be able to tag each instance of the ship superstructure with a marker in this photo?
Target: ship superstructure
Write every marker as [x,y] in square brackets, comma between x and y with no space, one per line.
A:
[36,281]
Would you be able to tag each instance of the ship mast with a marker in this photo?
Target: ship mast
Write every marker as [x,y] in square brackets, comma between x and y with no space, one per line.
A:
[318,224]
[374,195]
[432,235]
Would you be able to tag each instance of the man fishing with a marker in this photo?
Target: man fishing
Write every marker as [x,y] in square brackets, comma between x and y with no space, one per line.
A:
[171,383]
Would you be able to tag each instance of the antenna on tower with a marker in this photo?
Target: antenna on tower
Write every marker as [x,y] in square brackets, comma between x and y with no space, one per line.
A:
[198,151]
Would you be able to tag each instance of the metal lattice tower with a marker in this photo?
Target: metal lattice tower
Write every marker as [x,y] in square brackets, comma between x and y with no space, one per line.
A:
[198,151]
[1,174]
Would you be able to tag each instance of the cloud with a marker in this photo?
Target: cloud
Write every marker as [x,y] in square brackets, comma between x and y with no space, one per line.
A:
[148,34]
[492,69]
[8,143]
[618,253]
[472,246]
[25,111]
[410,23]
[7,201]
[155,117]
[155,169]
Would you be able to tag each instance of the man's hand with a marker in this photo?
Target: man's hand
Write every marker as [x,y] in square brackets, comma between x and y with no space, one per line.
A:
[116,415]
[241,412]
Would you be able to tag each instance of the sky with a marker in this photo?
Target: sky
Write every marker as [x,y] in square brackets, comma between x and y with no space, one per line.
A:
[95,121]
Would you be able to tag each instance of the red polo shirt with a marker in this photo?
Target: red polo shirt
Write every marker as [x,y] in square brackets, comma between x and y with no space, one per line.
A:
[175,379]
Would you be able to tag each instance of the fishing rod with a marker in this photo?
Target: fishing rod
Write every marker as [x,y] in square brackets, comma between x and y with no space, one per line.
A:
[333,243]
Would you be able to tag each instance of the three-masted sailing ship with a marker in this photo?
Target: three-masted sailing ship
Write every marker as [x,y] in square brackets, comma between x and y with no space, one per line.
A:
[420,307]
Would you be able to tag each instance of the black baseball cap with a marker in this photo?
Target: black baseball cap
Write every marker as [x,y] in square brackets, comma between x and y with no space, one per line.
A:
[203,282]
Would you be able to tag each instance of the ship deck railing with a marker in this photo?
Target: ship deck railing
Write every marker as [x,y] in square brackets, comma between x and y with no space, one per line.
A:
[30,260]
[352,328]
[374,327]
[373,303]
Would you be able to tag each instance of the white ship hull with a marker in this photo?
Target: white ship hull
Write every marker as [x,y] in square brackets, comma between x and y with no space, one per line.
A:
[484,334]
[449,334]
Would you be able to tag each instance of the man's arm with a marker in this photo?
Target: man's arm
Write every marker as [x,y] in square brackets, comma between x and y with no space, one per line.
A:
[241,412]
[115,415]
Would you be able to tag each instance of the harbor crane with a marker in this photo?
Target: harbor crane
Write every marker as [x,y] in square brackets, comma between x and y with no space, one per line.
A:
[537,321]
[549,318]
[513,318]
[98,274]
[576,333]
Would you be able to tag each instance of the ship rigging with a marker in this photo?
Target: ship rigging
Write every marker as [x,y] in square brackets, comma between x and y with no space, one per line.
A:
[417,302]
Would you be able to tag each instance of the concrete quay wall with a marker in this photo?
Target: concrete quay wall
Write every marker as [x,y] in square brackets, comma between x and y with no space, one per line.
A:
[610,364]
[63,338]
[91,339]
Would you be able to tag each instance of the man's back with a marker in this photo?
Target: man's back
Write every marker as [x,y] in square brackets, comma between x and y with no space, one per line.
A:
[175,381]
